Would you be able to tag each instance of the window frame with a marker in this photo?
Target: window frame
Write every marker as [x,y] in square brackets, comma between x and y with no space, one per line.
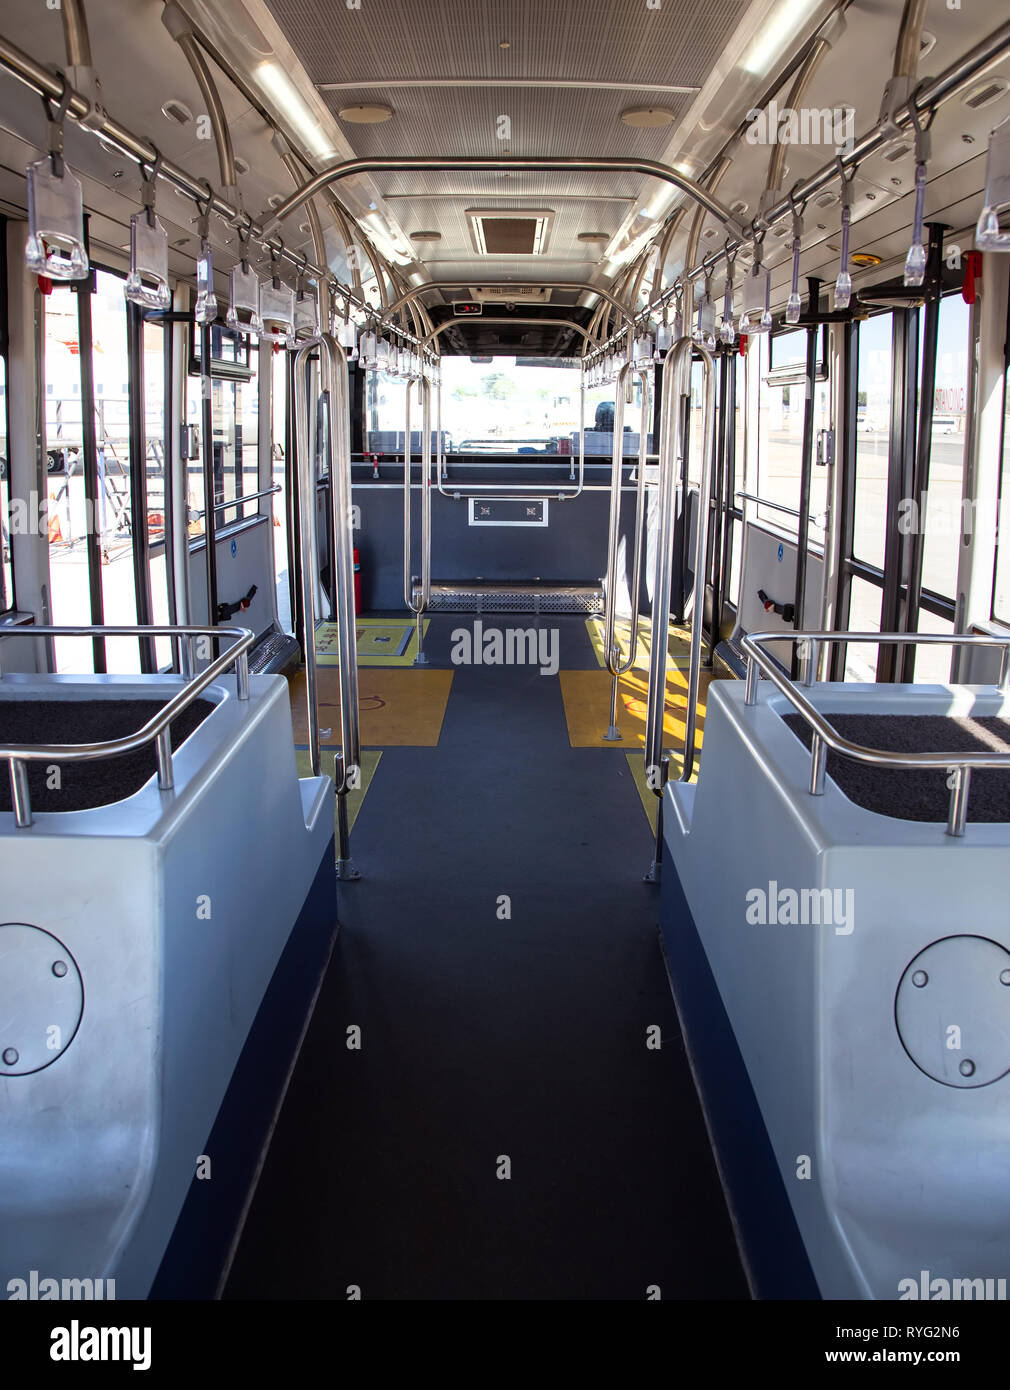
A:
[8,601]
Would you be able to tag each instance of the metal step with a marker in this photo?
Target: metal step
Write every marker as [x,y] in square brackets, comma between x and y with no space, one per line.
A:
[486,596]
[274,652]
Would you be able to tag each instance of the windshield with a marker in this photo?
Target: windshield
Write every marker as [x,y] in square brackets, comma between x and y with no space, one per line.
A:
[506,405]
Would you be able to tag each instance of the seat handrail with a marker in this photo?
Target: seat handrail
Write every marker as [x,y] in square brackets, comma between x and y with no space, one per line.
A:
[824,736]
[155,730]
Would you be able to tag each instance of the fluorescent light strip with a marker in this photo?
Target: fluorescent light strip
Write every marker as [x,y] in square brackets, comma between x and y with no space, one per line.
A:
[568,85]
[278,85]
[776,34]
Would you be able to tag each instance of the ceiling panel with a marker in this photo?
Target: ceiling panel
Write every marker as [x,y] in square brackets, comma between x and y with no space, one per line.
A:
[473,183]
[614,56]
[589,40]
[455,121]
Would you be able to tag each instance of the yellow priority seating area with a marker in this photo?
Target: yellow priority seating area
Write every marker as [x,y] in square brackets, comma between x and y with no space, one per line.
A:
[586,696]
[397,707]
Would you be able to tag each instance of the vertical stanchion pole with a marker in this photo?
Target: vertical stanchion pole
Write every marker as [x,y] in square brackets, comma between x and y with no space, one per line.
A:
[818,764]
[163,752]
[957,814]
[20,797]
[138,484]
[408,585]
[89,450]
[424,391]
[307,537]
[616,665]
[700,560]
[347,767]
[668,454]
[209,484]
[610,652]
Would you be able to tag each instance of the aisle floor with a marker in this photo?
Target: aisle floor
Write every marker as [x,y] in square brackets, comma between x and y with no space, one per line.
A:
[504,1130]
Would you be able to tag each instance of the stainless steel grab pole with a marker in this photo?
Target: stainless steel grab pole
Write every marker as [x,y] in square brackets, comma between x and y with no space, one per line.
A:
[676,384]
[408,578]
[700,558]
[335,392]
[616,665]
[419,605]
[669,454]
[305,463]
[424,389]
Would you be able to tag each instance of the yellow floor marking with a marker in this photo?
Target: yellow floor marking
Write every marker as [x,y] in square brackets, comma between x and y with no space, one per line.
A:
[397,709]
[369,762]
[586,696]
[678,643]
[378,643]
[650,800]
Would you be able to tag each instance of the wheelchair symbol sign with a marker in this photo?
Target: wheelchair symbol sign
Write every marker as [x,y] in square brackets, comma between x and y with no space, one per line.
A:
[234,550]
[782,550]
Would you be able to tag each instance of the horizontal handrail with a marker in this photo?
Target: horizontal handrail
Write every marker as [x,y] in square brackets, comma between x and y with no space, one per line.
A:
[825,736]
[817,518]
[472,490]
[237,501]
[156,728]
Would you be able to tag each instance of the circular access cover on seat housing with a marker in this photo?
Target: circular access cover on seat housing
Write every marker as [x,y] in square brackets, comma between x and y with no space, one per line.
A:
[41,998]
[952,1010]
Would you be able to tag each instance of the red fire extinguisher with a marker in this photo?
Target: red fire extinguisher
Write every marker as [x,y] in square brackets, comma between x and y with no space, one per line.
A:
[357,582]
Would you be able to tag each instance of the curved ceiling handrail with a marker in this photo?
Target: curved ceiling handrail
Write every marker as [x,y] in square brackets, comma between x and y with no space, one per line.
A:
[581,285]
[513,163]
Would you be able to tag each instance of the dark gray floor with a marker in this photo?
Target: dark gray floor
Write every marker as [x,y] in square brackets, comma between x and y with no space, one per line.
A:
[485,1039]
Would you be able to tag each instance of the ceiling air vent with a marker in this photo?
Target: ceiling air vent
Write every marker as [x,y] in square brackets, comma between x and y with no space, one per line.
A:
[513,233]
[987,93]
[507,294]
[177,111]
[897,152]
[826,200]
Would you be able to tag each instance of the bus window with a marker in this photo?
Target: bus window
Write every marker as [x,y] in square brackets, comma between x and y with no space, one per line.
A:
[873,430]
[68,521]
[112,424]
[510,405]
[780,436]
[1001,572]
[864,616]
[6,568]
[946,457]
[154,433]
